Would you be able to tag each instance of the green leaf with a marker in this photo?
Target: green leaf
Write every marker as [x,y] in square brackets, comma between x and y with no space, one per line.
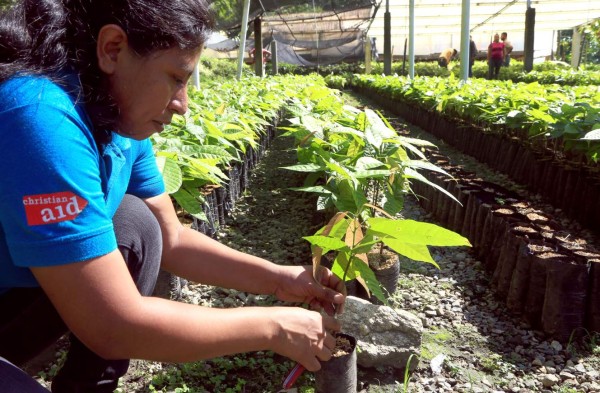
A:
[171,173]
[421,164]
[372,174]
[339,169]
[416,232]
[316,189]
[361,269]
[348,198]
[365,163]
[304,168]
[416,252]
[340,267]
[411,173]
[365,245]
[327,243]
[313,125]
[415,141]
[191,201]
[393,203]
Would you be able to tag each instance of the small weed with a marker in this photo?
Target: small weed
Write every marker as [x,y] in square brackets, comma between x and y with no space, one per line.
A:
[407,373]
[491,363]
[567,389]
[589,342]
[592,343]
[452,368]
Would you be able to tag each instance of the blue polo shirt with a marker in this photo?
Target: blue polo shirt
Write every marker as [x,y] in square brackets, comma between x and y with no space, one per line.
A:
[58,191]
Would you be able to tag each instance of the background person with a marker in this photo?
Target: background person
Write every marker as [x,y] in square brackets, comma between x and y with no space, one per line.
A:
[472,55]
[495,57]
[446,57]
[86,223]
[508,48]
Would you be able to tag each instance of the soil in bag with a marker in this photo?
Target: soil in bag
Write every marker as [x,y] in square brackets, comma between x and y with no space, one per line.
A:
[339,374]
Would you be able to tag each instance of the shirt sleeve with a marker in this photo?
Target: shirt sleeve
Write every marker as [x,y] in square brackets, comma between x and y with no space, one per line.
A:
[146,180]
[52,207]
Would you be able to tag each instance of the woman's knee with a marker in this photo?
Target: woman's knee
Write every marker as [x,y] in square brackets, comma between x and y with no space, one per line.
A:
[139,239]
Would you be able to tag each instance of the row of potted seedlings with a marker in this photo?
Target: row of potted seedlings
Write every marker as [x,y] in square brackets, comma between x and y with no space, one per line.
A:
[551,146]
[541,270]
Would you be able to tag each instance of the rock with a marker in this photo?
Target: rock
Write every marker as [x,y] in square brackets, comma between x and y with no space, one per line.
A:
[549,380]
[580,368]
[556,346]
[393,335]
[566,375]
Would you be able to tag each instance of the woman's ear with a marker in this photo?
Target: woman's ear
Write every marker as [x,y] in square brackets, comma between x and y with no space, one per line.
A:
[112,41]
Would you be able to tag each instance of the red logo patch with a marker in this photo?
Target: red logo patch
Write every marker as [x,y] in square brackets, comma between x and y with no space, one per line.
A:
[45,209]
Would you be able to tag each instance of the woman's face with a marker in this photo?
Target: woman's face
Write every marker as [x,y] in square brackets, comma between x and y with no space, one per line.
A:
[149,90]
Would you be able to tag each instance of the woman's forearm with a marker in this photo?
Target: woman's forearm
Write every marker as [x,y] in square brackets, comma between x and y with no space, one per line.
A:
[199,258]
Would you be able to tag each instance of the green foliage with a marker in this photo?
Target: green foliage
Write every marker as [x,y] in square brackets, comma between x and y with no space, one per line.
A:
[225,119]
[548,72]
[211,68]
[545,116]
[360,168]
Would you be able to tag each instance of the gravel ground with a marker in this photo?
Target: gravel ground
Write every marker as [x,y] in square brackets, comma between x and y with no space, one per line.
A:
[478,346]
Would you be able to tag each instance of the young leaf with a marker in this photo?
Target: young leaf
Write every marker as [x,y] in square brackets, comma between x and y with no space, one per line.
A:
[191,203]
[326,243]
[367,278]
[171,173]
[416,252]
[416,232]
[411,173]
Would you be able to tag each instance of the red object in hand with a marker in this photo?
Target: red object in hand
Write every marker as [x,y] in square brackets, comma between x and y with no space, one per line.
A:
[289,381]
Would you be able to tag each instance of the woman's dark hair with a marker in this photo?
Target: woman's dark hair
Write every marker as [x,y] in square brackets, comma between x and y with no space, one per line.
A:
[56,37]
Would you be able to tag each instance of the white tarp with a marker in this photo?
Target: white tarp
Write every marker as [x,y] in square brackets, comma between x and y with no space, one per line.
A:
[438,22]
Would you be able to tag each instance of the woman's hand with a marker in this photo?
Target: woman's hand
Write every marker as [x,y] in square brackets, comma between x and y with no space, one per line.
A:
[298,285]
[304,336]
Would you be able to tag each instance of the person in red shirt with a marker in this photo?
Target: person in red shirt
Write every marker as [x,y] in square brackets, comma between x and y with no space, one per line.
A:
[495,57]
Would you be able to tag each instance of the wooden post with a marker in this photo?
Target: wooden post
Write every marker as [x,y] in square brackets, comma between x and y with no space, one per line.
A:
[367,55]
[274,62]
[529,36]
[259,68]
[387,41]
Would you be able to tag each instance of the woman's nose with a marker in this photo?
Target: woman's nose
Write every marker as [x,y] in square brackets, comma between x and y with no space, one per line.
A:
[179,102]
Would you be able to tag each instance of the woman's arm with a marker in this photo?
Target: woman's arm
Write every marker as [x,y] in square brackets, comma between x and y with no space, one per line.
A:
[190,254]
[99,302]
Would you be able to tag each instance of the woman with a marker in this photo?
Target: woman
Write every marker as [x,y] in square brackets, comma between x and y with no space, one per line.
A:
[495,57]
[86,223]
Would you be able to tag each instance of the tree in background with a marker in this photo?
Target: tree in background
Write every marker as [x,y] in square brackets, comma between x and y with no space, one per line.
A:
[590,51]
[591,47]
